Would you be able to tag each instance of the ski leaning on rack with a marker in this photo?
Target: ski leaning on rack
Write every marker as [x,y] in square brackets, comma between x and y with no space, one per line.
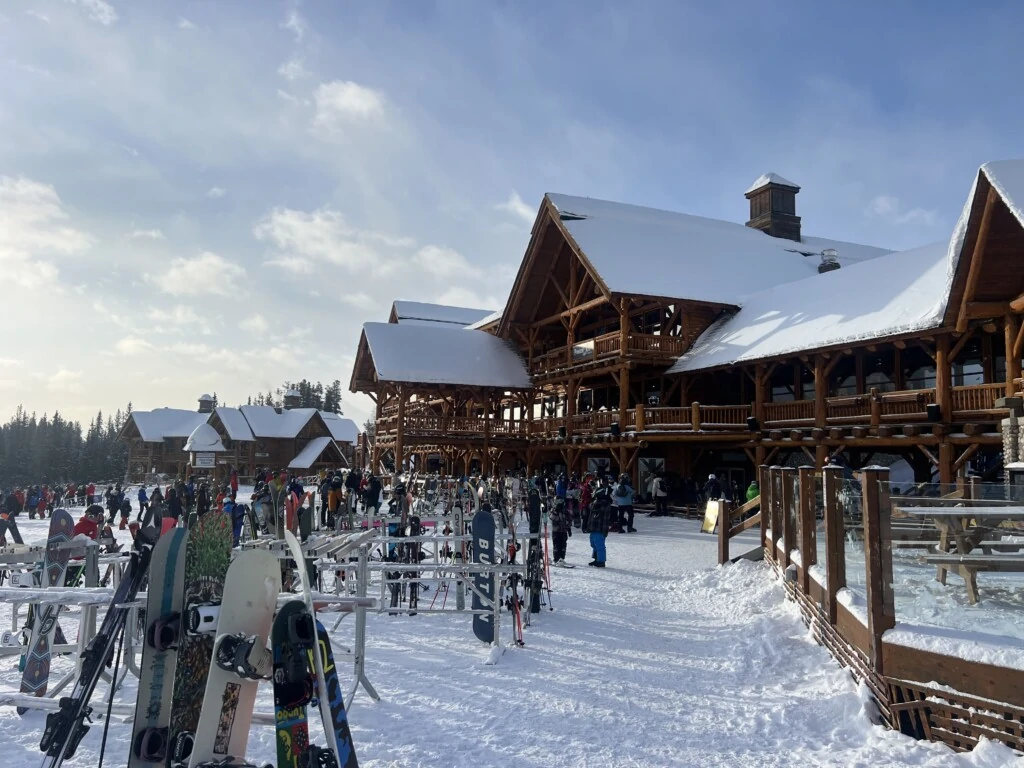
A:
[484,592]
[206,564]
[36,675]
[534,577]
[331,700]
[240,657]
[66,727]
[164,603]
[292,638]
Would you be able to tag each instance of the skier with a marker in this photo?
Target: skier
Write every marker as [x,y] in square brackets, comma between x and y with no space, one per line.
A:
[586,499]
[126,512]
[203,499]
[234,483]
[174,507]
[712,488]
[113,503]
[600,515]
[143,501]
[659,491]
[371,494]
[623,495]
[561,530]
[334,499]
[90,493]
[89,524]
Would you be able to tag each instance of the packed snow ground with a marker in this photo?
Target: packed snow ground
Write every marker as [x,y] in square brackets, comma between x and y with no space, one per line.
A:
[661,659]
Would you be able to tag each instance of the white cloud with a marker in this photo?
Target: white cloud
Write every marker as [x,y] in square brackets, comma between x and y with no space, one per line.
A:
[516,206]
[295,23]
[98,10]
[295,264]
[132,345]
[145,234]
[320,235]
[216,192]
[444,262]
[179,315]
[281,356]
[9,362]
[206,273]
[38,15]
[360,300]
[184,23]
[343,101]
[292,70]
[31,232]
[65,381]
[892,209]
[457,296]
[256,324]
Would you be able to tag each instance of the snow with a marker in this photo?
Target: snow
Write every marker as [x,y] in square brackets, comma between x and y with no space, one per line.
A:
[661,659]
[770,178]
[962,644]
[235,424]
[444,356]
[1007,178]
[491,318]
[645,251]
[898,293]
[421,313]
[308,455]
[160,423]
[266,421]
[205,439]
[344,430]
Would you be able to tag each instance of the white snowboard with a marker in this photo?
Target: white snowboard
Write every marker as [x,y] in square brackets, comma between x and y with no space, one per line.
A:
[250,598]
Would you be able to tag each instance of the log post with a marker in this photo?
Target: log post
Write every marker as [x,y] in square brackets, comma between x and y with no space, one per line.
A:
[400,432]
[943,378]
[776,511]
[820,393]
[878,560]
[724,524]
[875,402]
[641,418]
[835,539]
[695,416]
[1010,330]
[759,392]
[789,512]
[808,544]
[946,476]
[571,389]
[623,395]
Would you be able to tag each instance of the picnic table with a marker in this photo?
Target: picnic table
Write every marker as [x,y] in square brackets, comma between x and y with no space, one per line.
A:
[964,529]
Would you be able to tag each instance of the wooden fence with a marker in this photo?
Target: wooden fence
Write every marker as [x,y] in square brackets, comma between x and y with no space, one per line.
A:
[921,693]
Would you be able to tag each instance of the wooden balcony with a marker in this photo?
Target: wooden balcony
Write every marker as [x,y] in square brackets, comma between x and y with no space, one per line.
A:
[607,347]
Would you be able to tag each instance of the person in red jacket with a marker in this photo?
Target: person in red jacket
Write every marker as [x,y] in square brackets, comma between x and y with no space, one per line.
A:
[234,482]
[90,493]
[89,523]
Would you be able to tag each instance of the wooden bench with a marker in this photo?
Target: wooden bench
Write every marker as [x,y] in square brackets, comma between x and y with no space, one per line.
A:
[967,567]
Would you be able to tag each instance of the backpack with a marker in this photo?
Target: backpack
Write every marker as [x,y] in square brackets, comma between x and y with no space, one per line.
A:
[620,491]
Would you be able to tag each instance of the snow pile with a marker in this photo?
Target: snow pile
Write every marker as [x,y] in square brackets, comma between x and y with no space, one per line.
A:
[660,659]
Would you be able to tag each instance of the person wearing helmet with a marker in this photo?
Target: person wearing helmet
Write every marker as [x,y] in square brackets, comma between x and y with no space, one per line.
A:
[712,488]
[623,497]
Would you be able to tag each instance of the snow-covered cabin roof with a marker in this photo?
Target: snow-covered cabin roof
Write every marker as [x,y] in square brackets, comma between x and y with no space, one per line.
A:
[307,456]
[162,423]
[645,251]
[420,313]
[266,421]
[1007,178]
[483,323]
[235,424]
[204,439]
[900,293]
[770,178]
[344,430]
[412,353]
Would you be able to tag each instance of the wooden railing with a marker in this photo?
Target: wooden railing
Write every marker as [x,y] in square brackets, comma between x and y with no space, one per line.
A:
[976,398]
[660,418]
[723,416]
[792,412]
[605,346]
[654,344]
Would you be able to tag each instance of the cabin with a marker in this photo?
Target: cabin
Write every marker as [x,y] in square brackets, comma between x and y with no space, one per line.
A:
[638,340]
[214,440]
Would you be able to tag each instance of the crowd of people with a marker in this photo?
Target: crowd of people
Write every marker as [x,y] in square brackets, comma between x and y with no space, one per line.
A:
[40,500]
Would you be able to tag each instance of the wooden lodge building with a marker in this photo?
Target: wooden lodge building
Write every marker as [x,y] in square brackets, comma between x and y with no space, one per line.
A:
[213,440]
[638,339]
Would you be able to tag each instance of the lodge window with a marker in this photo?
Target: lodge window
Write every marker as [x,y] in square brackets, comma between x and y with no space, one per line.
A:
[918,369]
[878,372]
[843,379]
[968,368]
[782,384]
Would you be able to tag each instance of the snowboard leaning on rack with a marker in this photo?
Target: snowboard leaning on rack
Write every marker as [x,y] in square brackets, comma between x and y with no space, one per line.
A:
[292,638]
[36,674]
[484,583]
[66,727]
[241,657]
[164,604]
[206,564]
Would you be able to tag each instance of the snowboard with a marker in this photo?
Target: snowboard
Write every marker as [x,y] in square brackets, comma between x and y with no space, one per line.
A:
[483,553]
[164,603]
[241,656]
[36,674]
[332,692]
[534,579]
[206,564]
[292,640]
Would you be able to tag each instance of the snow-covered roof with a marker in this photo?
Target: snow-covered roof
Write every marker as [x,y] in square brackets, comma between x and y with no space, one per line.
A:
[292,393]
[491,318]
[645,251]
[770,178]
[235,424]
[266,421]
[161,423]
[438,355]
[308,455]
[205,398]
[1007,178]
[417,313]
[204,439]
[344,430]
[899,293]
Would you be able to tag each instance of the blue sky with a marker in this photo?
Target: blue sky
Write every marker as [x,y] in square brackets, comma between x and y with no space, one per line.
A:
[216,195]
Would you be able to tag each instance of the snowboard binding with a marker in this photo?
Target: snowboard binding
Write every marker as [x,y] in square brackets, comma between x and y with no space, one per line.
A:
[317,757]
[151,745]
[201,618]
[162,634]
[245,656]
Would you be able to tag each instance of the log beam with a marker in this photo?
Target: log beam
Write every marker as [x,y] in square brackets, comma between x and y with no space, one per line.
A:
[974,275]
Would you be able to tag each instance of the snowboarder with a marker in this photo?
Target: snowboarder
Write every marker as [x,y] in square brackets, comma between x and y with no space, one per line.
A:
[600,514]
[561,530]
[143,501]
[623,495]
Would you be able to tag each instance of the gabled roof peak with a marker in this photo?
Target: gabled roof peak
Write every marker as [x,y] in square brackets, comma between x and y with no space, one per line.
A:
[770,178]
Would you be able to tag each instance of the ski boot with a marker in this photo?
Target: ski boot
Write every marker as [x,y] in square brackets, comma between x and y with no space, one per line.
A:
[245,656]
[163,633]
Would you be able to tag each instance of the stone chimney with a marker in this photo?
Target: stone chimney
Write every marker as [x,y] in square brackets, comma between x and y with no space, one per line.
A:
[206,403]
[773,206]
[292,399]
[829,261]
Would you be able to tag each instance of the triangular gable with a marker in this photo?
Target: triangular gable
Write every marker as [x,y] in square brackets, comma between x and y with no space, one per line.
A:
[318,450]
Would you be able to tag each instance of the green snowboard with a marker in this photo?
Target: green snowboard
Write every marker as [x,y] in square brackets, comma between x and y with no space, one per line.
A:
[206,565]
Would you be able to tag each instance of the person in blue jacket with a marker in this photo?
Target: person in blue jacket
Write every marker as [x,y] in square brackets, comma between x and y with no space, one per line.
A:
[622,495]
